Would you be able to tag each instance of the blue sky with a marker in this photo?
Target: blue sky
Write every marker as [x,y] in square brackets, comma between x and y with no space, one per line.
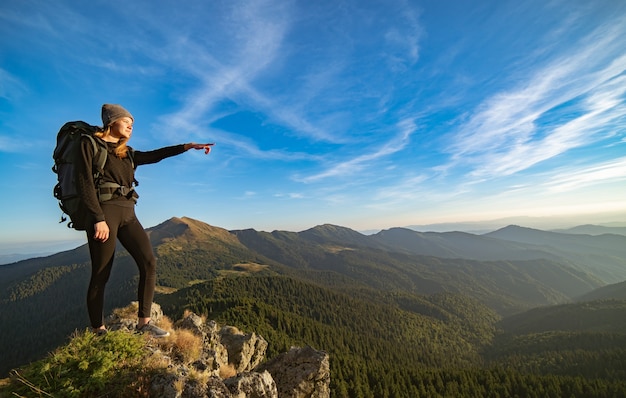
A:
[365,114]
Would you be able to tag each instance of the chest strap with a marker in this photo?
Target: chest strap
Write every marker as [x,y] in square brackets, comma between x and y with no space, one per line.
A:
[110,190]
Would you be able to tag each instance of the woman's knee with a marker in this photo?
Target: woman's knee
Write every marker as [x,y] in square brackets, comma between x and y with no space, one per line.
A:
[150,265]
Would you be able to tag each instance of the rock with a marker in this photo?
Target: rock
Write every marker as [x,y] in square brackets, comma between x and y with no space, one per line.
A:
[215,354]
[245,351]
[300,373]
[194,389]
[192,322]
[228,365]
[164,386]
[252,385]
[217,389]
[126,318]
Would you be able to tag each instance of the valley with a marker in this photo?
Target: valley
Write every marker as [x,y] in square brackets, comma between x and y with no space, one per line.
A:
[401,313]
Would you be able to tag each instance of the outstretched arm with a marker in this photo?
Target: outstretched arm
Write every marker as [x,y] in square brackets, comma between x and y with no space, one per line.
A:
[193,145]
[154,156]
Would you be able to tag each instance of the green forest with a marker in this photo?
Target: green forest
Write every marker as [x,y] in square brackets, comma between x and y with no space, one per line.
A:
[394,345]
[394,323]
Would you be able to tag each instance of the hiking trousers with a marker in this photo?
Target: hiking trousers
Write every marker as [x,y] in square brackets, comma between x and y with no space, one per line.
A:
[125,227]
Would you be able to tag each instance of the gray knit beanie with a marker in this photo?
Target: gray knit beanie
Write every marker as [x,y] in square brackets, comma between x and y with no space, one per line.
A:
[112,112]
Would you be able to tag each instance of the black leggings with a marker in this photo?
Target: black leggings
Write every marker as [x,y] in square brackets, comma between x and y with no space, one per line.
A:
[123,225]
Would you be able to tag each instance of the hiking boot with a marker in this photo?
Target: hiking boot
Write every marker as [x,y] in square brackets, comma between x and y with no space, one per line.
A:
[153,330]
[101,332]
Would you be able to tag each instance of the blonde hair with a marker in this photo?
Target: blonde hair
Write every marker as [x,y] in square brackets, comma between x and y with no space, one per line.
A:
[121,151]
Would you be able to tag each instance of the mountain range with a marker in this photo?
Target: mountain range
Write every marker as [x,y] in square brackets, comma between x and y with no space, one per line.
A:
[331,279]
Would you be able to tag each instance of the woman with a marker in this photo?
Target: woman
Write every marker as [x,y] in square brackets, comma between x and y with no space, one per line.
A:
[114,218]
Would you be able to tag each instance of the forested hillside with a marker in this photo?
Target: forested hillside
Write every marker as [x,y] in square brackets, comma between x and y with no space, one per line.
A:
[403,345]
[614,291]
[396,322]
[508,286]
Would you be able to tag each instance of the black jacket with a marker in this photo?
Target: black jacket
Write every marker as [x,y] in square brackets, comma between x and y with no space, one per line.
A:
[116,170]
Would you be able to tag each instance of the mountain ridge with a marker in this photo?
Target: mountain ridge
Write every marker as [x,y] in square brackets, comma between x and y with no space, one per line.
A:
[325,242]
[293,284]
[601,254]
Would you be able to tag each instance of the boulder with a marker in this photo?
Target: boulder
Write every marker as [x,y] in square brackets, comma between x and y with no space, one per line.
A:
[252,385]
[245,351]
[300,373]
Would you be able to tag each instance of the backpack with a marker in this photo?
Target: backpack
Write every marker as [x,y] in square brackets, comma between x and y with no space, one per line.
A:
[65,155]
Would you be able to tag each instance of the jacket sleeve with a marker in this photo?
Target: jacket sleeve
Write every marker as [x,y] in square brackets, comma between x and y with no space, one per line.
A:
[148,157]
[84,180]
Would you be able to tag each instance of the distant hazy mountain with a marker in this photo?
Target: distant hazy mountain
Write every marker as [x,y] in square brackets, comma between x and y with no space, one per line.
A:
[555,224]
[616,291]
[15,257]
[426,263]
[11,252]
[459,245]
[593,230]
[602,255]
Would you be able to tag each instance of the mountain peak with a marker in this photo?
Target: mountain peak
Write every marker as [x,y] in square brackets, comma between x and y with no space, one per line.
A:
[327,233]
[189,230]
[330,228]
[515,232]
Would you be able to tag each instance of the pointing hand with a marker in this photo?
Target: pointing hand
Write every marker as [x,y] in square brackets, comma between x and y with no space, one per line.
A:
[206,147]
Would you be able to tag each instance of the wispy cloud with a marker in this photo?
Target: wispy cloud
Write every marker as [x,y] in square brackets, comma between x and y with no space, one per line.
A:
[259,47]
[407,189]
[406,36]
[297,108]
[35,18]
[11,86]
[581,177]
[348,167]
[504,136]
[290,195]
[218,81]
[242,146]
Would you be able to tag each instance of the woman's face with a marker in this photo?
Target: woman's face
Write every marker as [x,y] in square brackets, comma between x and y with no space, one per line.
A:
[122,128]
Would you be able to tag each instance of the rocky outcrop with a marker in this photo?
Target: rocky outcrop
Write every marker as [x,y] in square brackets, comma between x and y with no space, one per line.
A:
[227,362]
[301,372]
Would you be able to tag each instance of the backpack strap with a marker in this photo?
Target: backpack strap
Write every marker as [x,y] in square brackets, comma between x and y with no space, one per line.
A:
[131,155]
[99,155]
[109,190]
